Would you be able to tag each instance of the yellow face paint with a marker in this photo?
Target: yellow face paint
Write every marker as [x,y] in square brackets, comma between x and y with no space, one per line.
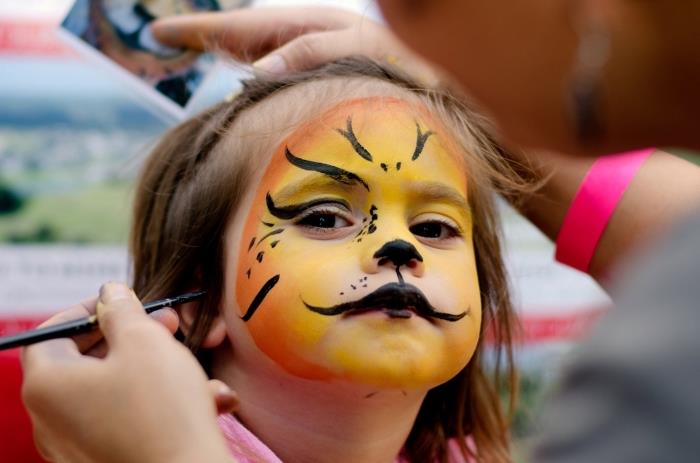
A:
[356,260]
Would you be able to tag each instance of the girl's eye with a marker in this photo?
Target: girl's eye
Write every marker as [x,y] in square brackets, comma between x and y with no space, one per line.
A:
[326,219]
[322,219]
[434,230]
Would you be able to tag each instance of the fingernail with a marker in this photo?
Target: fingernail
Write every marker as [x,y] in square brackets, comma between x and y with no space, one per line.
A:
[150,43]
[112,292]
[227,400]
[224,391]
[273,64]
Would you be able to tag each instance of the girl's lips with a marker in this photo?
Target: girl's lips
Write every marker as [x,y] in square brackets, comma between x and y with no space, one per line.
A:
[399,313]
[392,312]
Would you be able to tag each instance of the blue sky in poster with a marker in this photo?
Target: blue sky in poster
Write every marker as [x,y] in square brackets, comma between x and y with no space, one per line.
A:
[64,77]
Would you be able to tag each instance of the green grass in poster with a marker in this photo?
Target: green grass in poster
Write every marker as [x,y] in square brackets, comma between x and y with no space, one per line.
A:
[98,213]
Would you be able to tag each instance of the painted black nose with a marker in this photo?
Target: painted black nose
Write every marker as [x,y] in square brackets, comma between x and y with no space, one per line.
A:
[398,252]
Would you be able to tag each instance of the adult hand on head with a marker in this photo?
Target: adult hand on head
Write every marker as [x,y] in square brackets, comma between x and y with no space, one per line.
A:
[136,395]
[291,39]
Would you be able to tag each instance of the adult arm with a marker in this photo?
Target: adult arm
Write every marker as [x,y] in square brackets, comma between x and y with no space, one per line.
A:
[665,189]
[143,397]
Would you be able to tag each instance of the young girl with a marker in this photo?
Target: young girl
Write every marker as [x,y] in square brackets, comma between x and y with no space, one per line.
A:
[342,223]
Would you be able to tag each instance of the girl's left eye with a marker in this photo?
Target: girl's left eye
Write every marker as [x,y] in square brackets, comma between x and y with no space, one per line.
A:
[434,230]
[326,220]
[320,219]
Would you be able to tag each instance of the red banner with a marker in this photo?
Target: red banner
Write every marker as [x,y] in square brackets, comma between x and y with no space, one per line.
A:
[37,38]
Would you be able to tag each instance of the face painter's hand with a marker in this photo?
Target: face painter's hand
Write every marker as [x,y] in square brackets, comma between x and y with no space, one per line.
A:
[146,399]
[93,344]
[290,39]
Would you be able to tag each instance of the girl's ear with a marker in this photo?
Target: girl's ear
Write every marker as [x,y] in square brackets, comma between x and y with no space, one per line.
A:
[217,331]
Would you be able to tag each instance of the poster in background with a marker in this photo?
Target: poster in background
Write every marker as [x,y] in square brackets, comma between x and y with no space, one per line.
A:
[116,35]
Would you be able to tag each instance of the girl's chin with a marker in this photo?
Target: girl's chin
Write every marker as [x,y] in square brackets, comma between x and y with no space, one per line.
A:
[387,371]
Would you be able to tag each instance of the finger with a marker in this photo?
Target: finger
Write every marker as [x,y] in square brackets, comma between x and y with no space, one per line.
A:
[83,309]
[226,400]
[39,433]
[309,51]
[246,33]
[62,349]
[168,318]
[85,341]
[98,350]
[52,350]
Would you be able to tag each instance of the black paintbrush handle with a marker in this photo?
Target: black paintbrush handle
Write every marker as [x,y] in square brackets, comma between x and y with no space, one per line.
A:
[83,325]
[60,330]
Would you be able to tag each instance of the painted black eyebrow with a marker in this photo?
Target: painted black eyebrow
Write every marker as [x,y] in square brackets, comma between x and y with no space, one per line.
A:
[289,212]
[357,146]
[421,138]
[336,173]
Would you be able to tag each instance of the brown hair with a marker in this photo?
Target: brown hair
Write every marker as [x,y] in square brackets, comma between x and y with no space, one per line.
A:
[191,186]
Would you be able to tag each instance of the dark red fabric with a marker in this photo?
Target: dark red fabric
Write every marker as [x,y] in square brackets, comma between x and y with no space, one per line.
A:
[16,441]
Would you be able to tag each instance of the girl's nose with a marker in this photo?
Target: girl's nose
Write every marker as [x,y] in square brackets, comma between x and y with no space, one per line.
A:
[398,255]
[398,252]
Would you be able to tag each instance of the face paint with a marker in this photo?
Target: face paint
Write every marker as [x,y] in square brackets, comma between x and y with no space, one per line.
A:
[356,258]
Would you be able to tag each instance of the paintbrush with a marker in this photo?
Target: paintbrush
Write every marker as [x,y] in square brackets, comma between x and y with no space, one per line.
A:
[84,325]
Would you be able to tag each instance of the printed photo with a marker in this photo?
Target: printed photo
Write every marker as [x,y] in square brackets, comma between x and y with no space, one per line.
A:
[120,31]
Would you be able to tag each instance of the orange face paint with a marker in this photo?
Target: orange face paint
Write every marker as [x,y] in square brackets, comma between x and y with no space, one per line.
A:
[356,259]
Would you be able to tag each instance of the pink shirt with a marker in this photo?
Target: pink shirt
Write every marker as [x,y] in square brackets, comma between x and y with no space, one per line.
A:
[246,448]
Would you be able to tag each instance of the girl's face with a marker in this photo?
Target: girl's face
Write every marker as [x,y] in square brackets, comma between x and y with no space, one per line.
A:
[355,260]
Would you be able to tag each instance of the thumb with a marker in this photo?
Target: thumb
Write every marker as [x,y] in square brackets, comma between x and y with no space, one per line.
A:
[117,308]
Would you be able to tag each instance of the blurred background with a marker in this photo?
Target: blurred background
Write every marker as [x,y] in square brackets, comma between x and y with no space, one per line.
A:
[72,135]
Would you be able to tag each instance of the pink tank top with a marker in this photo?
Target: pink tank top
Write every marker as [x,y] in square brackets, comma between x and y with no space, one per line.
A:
[246,448]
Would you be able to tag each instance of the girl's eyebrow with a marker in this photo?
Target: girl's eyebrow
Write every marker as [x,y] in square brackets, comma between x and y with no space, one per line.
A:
[336,173]
[440,192]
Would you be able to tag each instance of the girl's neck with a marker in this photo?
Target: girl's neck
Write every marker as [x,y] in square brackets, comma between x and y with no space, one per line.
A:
[312,421]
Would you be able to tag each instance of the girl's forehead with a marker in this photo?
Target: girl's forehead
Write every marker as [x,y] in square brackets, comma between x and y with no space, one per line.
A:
[378,129]
[380,140]
[368,116]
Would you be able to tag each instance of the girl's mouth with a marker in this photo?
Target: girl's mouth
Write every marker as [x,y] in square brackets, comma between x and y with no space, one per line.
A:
[397,300]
